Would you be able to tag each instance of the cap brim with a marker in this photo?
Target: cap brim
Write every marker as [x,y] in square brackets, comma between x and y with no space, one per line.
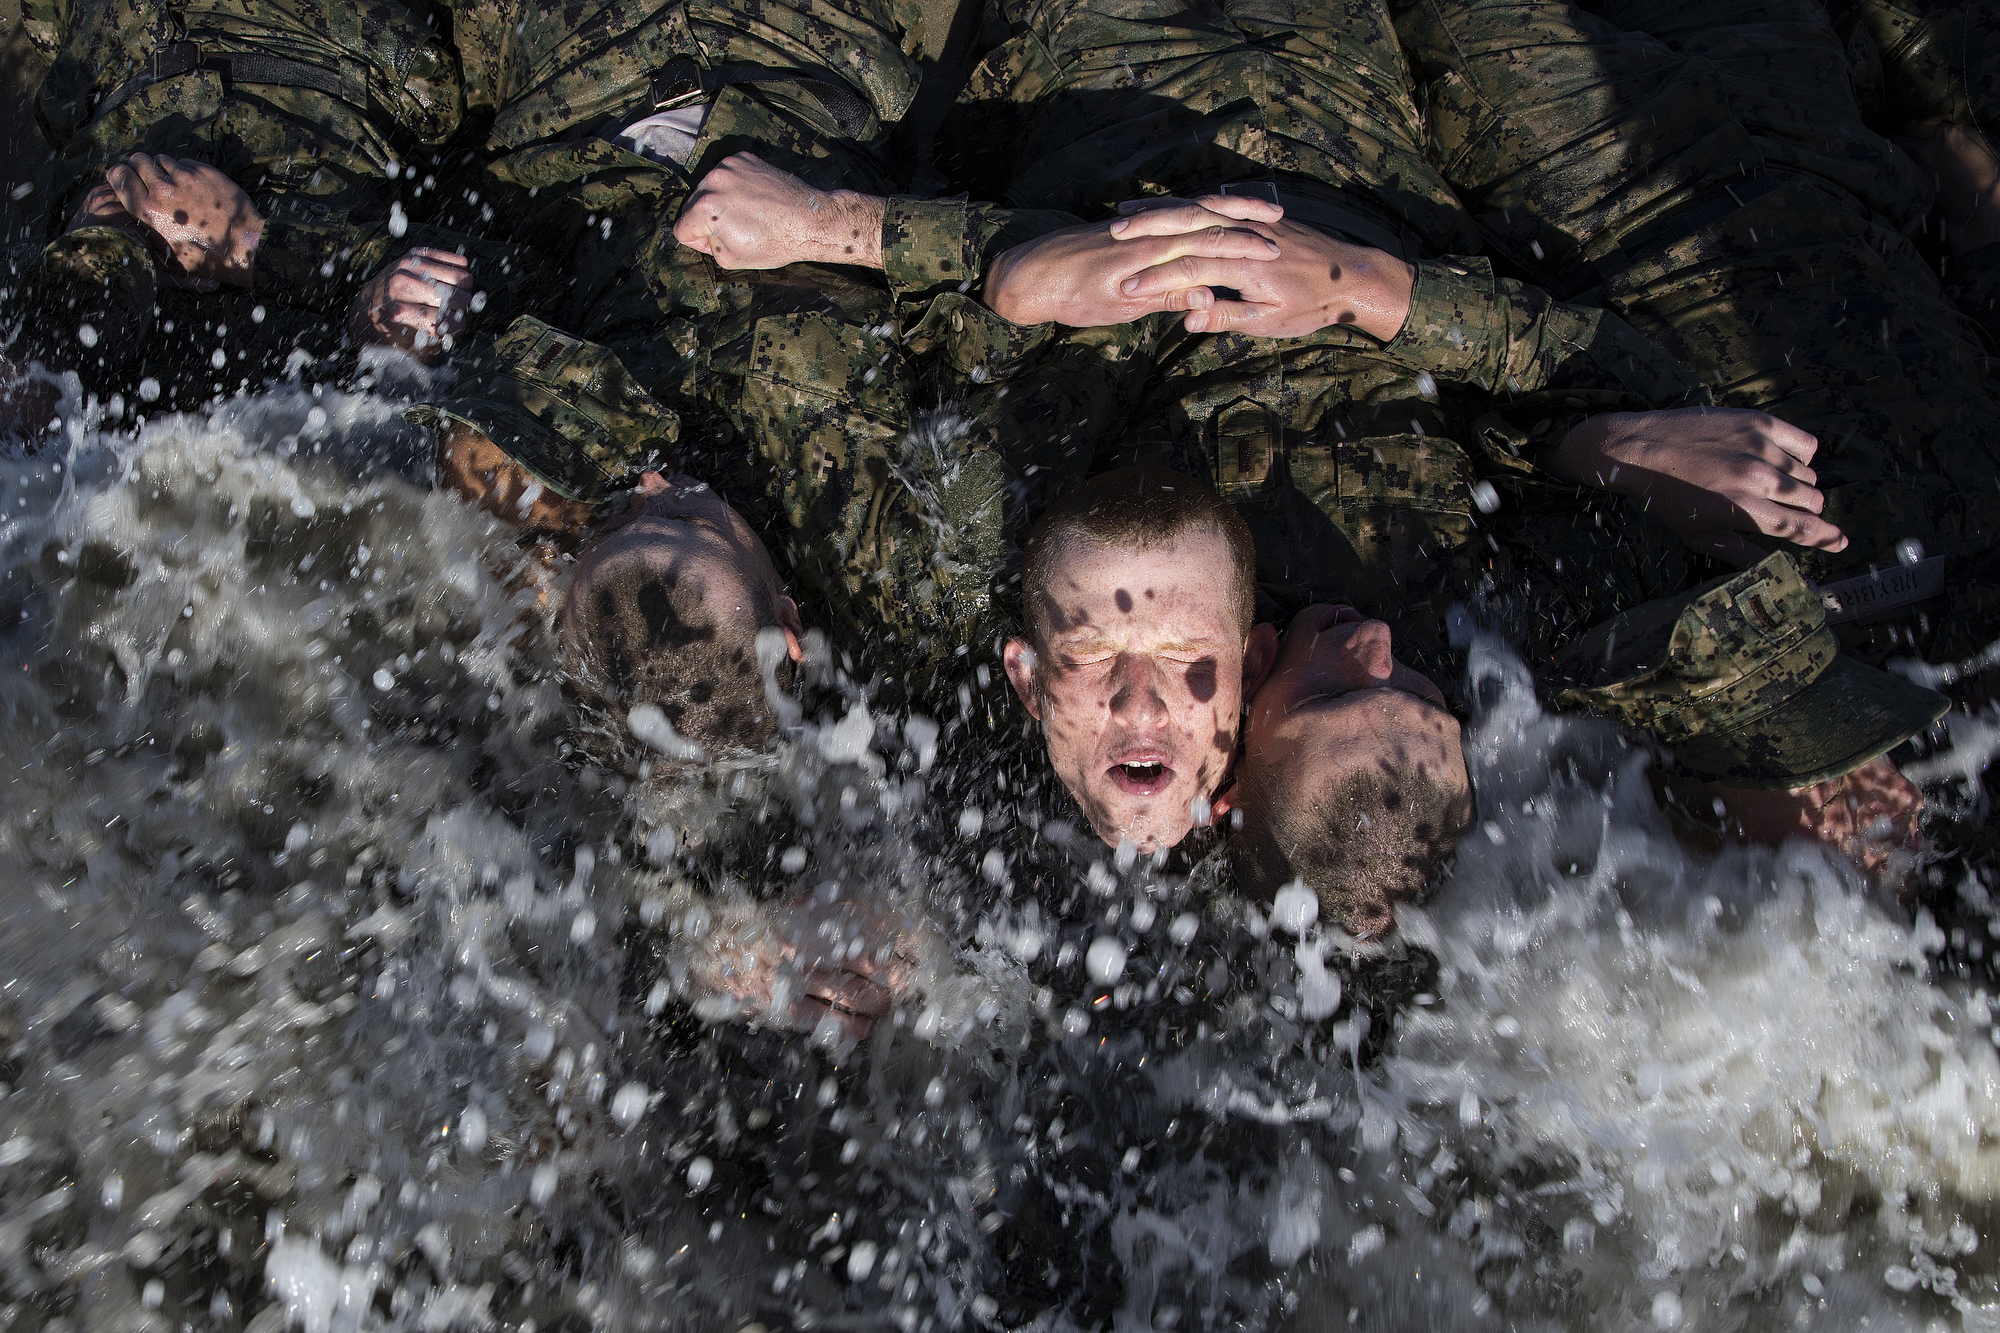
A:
[1846,717]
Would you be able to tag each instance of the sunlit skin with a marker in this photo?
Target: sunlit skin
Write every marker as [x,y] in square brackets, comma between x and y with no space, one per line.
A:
[1338,702]
[1139,681]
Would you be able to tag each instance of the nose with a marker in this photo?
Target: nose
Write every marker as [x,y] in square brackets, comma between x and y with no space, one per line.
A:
[1356,654]
[1136,696]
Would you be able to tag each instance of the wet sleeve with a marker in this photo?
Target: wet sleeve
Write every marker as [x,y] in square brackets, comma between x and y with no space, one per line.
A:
[932,247]
[1470,328]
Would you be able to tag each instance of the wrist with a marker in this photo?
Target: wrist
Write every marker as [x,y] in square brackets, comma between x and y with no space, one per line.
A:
[240,270]
[853,231]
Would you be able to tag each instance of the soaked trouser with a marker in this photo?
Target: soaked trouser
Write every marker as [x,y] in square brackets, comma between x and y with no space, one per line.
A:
[1702,169]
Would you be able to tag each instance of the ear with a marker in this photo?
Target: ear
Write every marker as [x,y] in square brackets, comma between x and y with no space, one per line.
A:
[1018,657]
[793,626]
[1260,654]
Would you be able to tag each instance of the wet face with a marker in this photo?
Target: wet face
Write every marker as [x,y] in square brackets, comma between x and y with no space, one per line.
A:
[1338,702]
[682,531]
[1138,682]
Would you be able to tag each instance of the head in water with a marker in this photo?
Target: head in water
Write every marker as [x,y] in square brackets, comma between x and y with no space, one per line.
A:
[666,608]
[1352,779]
[1139,591]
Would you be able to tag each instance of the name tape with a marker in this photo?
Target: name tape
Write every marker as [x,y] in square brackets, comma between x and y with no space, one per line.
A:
[1884,592]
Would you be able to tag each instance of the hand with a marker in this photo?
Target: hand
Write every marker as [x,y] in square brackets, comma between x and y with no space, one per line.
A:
[1078,276]
[419,303]
[748,214]
[205,218]
[807,958]
[1711,473]
[1868,816]
[1314,281]
[1967,171]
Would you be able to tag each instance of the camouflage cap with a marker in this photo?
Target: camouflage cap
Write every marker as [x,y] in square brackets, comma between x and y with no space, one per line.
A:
[1743,680]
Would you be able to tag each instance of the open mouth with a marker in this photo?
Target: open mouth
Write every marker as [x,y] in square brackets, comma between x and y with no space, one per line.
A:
[1142,777]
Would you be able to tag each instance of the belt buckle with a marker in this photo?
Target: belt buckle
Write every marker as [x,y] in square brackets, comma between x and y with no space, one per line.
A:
[1267,190]
[680,82]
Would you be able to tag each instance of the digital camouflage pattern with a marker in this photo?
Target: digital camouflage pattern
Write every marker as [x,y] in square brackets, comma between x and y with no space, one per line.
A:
[1745,684]
[1703,170]
[316,162]
[788,391]
[1355,463]
[1923,60]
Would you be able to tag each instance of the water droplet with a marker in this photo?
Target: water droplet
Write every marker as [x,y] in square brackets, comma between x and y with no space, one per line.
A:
[1295,908]
[628,1104]
[472,1129]
[861,1260]
[700,1172]
[1184,928]
[1105,960]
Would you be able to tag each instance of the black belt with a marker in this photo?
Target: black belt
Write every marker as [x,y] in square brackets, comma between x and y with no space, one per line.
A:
[683,81]
[1348,223]
[180,58]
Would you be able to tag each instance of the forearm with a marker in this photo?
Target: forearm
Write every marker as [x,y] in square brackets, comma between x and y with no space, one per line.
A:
[1470,328]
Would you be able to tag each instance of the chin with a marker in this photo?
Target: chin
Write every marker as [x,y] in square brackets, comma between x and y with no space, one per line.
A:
[1149,829]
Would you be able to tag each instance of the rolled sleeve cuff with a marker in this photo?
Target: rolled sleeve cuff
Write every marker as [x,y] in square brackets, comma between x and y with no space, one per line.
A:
[1468,327]
[933,247]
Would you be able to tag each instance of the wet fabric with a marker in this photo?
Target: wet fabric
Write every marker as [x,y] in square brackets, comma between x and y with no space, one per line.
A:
[1355,462]
[1703,170]
[1923,60]
[786,390]
[310,106]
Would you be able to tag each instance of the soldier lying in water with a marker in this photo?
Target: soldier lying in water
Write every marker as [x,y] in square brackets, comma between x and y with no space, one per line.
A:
[231,167]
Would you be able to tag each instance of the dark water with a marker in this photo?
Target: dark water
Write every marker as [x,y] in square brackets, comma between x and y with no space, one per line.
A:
[341,992]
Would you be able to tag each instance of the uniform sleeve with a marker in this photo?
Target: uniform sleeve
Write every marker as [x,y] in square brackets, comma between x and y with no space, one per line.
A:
[1473,329]
[931,247]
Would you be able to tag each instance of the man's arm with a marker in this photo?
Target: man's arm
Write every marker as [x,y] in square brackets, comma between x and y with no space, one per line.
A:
[747,214]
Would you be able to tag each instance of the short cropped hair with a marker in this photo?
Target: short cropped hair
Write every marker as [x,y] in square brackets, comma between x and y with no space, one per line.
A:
[1366,843]
[645,636]
[1136,508]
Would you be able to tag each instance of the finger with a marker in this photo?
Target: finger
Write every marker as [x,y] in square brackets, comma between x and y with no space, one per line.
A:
[1177,273]
[693,233]
[1188,219]
[1795,526]
[403,320]
[126,183]
[1798,494]
[152,170]
[434,275]
[1235,317]
[1128,207]
[1799,444]
[416,290]
[442,258]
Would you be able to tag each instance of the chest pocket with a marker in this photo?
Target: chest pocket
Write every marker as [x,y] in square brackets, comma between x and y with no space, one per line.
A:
[1243,444]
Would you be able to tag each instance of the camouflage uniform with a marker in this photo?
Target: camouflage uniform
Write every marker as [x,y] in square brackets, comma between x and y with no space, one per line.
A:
[1355,462]
[311,106]
[1704,171]
[786,390]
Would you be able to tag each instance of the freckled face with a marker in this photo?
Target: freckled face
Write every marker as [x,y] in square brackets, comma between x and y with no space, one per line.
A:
[1139,682]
